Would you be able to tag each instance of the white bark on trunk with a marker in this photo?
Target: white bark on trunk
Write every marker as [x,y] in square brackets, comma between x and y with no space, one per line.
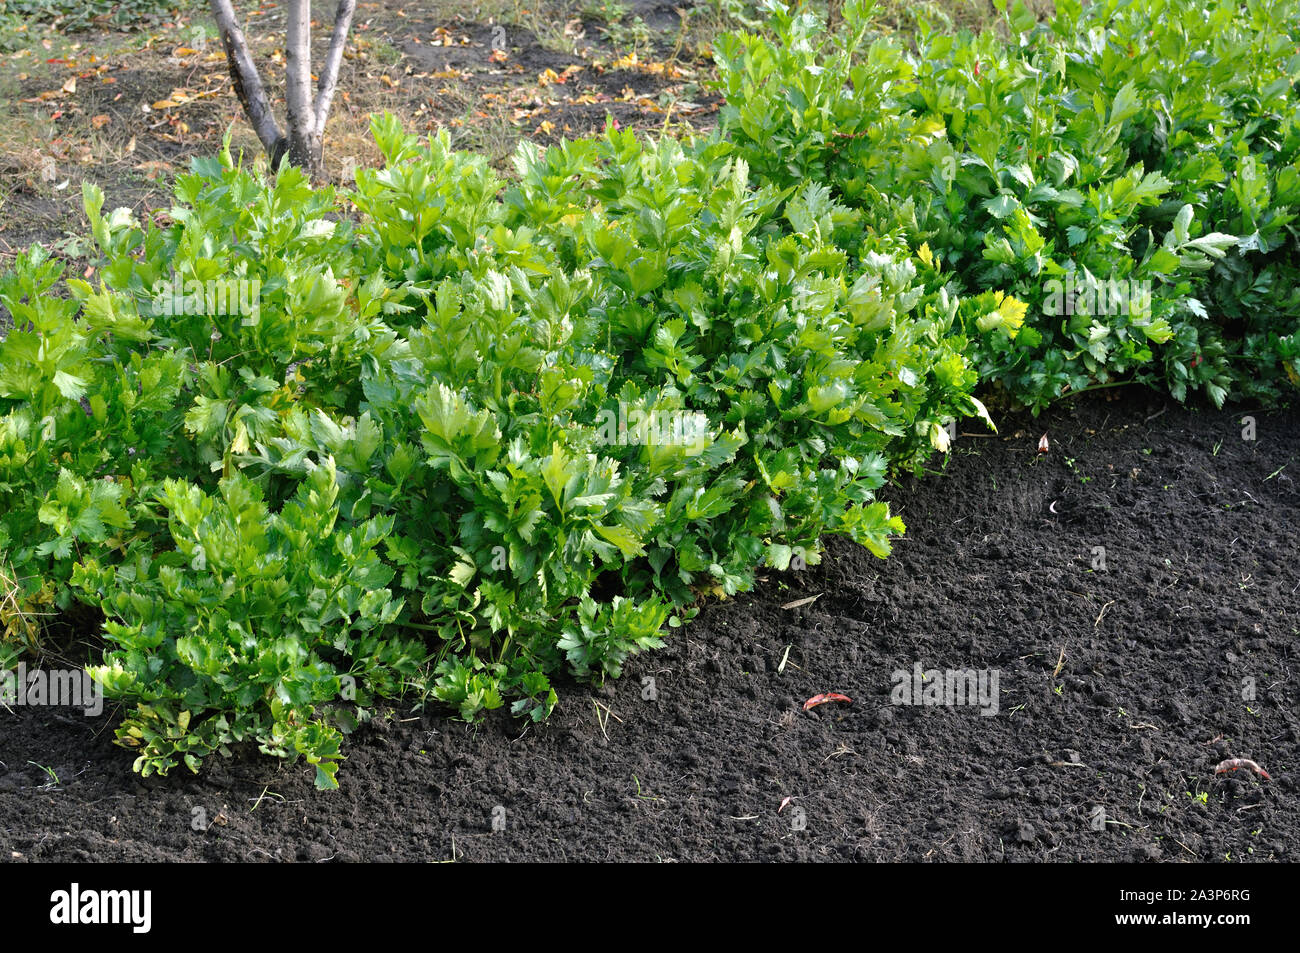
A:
[248,82]
[329,76]
[297,91]
[305,128]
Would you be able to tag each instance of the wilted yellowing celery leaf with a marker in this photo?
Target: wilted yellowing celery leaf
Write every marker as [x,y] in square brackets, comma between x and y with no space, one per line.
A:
[1009,315]
[930,127]
[939,437]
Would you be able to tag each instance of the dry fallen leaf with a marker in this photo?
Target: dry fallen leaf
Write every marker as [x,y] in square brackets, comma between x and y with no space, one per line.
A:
[154,169]
[1233,764]
[825,697]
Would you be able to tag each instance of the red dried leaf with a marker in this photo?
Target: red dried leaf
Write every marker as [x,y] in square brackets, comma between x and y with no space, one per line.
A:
[825,697]
[1232,764]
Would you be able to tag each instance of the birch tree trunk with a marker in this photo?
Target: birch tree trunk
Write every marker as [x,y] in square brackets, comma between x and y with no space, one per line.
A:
[303,138]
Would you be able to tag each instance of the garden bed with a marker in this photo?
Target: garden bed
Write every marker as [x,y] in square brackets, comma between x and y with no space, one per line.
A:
[1120,689]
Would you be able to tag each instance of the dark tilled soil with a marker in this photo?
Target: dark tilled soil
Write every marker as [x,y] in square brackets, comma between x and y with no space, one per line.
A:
[1134,589]
[586,91]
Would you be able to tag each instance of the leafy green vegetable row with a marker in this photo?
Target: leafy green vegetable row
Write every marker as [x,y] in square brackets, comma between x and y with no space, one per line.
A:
[1129,170]
[485,433]
[452,434]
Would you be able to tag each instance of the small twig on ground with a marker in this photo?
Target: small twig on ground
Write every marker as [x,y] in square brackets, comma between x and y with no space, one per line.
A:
[266,791]
[610,712]
[1102,613]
